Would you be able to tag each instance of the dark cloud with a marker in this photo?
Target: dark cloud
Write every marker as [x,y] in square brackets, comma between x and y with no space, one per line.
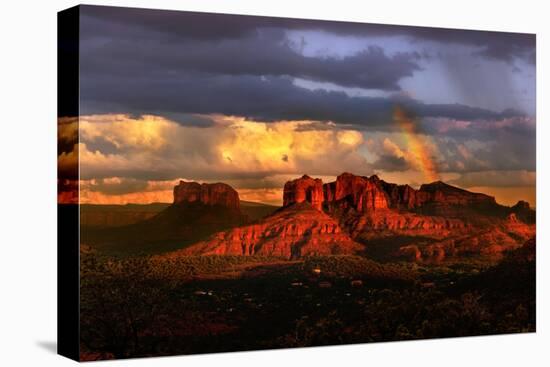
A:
[257,98]
[391,163]
[186,119]
[195,25]
[179,64]
[496,149]
[504,46]
[496,178]
[190,119]
[185,66]
[268,53]
[206,26]
[510,124]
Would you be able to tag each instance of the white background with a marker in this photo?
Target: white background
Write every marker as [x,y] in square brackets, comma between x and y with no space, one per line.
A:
[28,183]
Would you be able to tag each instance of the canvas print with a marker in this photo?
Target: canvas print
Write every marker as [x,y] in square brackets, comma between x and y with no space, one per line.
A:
[235,183]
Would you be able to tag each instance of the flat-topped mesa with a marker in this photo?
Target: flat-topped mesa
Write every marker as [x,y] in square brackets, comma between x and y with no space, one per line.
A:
[362,193]
[208,194]
[304,189]
[440,192]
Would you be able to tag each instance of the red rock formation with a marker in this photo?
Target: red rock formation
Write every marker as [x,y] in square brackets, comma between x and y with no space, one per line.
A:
[361,193]
[370,194]
[448,221]
[208,194]
[400,196]
[366,204]
[432,223]
[441,192]
[294,231]
[383,222]
[492,240]
[405,197]
[303,189]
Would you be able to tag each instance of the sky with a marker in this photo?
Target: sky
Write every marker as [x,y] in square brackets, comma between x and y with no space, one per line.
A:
[256,101]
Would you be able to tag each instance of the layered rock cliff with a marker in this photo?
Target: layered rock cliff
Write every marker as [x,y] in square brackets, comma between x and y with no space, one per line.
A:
[354,213]
[444,220]
[493,240]
[297,230]
[367,194]
[361,193]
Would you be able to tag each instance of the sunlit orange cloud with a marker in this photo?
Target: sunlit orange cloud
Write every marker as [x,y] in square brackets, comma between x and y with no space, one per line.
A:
[153,192]
[145,197]
[286,146]
[233,147]
[148,132]
[416,144]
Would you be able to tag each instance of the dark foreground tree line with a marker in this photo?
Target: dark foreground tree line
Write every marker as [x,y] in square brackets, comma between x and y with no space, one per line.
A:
[147,306]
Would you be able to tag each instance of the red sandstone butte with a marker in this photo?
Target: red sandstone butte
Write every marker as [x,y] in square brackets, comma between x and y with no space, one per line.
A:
[362,193]
[208,194]
[304,189]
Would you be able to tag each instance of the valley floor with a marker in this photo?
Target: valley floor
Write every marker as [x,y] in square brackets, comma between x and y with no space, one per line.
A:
[150,306]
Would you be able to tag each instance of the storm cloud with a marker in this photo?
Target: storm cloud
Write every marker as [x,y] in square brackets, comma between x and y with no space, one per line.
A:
[214,27]
[179,63]
[255,101]
[256,98]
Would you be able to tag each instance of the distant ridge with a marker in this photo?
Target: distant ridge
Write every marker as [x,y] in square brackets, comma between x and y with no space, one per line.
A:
[116,215]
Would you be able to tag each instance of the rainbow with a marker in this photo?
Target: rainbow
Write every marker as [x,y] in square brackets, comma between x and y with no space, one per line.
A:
[416,144]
